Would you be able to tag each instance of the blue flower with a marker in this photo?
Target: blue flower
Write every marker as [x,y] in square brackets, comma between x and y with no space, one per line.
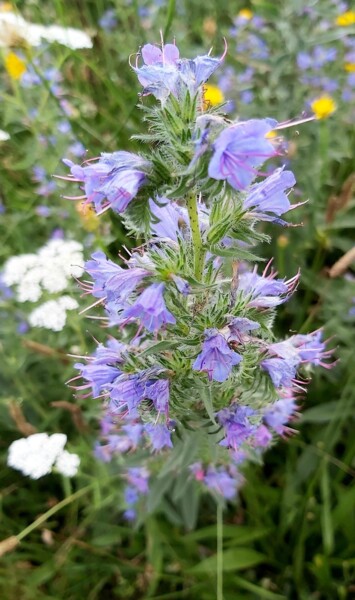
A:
[126,393]
[111,182]
[239,149]
[241,325]
[282,372]
[237,426]
[158,392]
[222,482]
[280,413]
[159,436]
[264,290]
[216,358]
[164,72]
[150,309]
[102,368]
[167,220]
[111,281]
[270,196]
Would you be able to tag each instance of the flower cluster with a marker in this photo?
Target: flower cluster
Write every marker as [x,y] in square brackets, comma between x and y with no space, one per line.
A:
[40,453]
[324,71]
[46,272]
[192,361]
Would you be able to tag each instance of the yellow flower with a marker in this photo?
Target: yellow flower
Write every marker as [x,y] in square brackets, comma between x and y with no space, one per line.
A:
[212,95]
[349,67]
[88,216]
[282,241]
[323,107]
[345,19]
[6,7]
[246,14]
[14,65]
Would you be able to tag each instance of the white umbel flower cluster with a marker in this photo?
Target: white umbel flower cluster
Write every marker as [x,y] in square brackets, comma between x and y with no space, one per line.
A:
[14,28]
[52,314]
[50,269]
[36,455]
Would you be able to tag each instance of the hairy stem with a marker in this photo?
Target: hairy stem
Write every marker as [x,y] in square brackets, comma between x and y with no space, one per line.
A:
[199,254]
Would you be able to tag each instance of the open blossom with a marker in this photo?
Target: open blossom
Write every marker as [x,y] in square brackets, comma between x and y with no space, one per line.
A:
[236,424]
[240,149]
[239,326]
[159,436]
[216,358]
[102,368]
[164,72]
[36,455]
[269,197]
[111,281]
[150,309]
[265,291]
[280,413]
[111,182]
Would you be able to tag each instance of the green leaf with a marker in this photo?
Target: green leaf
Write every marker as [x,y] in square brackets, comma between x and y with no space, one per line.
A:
[233,559]
[326,412]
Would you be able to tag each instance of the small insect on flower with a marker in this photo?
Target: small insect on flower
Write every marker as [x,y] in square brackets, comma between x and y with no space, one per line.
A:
[323,107]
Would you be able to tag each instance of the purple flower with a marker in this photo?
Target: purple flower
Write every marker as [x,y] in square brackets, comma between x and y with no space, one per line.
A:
[108,20]
[77,149]
[246,96]
[164,73]
[282,372]
[311,348]
[270,196]
[222,482]
[111,182]
[101,369]
[139,477]
[216,358]
[265,291]
[126,393]
[168,217]
[239,149]
[158,392]
[159,436]
[150,309]
[280,413]
[241,325]
[237,426]
[110,280]
[304,61]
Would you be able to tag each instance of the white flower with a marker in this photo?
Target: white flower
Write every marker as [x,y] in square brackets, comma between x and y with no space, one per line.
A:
[14,28]
[67,464]
[4,136]
[36,455]
[50,269]
[52,314]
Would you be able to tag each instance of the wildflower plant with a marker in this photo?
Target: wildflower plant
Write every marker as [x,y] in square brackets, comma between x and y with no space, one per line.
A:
[193,383]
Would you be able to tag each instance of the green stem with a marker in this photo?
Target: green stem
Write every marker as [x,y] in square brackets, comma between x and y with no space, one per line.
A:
[199,253]
[219,550]
[43,518]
